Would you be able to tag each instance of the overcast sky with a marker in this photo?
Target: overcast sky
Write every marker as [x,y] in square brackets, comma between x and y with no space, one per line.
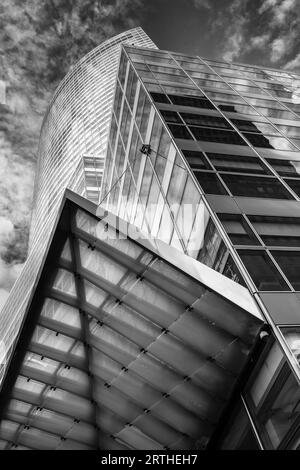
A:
[40,39]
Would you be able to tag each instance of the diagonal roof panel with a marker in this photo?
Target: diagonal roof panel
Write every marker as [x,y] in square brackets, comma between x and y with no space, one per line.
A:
[126,344]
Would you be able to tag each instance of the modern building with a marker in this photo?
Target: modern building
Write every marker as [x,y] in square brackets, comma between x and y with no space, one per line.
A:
[223,142]
[74,131]
[166,317]
[126,344]
[71,154]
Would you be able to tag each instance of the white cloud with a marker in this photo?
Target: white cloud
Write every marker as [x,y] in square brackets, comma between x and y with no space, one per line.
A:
[279,10]
[282,10]
[266,5]
[278,48]
[39,41]
[236,19]
[259,41]
[234,44]
[207,4]
[293,64]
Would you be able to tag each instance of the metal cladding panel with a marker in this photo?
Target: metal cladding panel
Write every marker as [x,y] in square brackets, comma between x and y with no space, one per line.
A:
[121,347]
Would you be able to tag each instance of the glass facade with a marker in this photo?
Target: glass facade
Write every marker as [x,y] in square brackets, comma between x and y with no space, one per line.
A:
[222,141]
[145,343]
[203,143]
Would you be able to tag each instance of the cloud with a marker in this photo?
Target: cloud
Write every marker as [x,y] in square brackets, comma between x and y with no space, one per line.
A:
[40,40]
[272,29]
[206,4]
[279,48]
[293,64]
[279,9]
[258,42]
[236,18]
[283,19]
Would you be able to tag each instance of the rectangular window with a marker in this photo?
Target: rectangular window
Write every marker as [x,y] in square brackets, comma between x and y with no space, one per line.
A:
[289,262]
[273,398]
[237,108]
[264,273]
[159,97]
[196,160]
[205,121]
[256,127]
[180,132]
[292,337]
[271,142]
[277,231]
[258,140]
[192,102]
[285,167]
[238,163]
[294,184]
[256,186]
[210,183]
[171,116]
[239,434]
[238,229]
[217,135]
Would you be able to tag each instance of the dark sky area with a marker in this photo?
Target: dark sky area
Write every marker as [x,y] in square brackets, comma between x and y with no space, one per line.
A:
[41,39]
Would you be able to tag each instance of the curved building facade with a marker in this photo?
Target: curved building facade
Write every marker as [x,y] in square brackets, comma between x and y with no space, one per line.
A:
[74,132]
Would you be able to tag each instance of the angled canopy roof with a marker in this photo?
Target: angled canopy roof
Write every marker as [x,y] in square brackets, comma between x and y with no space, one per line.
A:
[126,344]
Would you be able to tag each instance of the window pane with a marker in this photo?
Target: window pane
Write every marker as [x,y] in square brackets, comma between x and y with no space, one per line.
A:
[65,282]
[171,116]
[196,160]
[273,396]
[264,273]
[236,163]
[294,184]
[292,337]
[257,127]
[289,261]
[238,230]
[159,97]
[239,434]
[231,271]
[217,135]
[277,231]
[180,132]
[258,140]
[191,101]
[279,143]
[279,416]
[285,167]
[252,186]
[210,183]
[206,121]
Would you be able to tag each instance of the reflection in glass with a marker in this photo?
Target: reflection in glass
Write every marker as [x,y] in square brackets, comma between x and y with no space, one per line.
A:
[239,433]
[292,337]
[256,186]
[210,182]
[285,167]
[263,272]
[289,262]
[238,230]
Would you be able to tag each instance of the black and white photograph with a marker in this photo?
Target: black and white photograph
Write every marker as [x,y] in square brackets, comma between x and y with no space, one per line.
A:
[149,229]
